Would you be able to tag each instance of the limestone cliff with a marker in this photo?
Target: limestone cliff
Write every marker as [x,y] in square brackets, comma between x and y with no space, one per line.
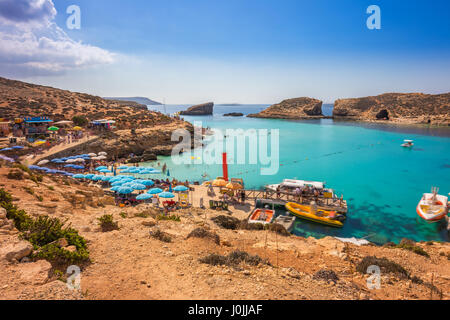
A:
[396,107]
[297,108]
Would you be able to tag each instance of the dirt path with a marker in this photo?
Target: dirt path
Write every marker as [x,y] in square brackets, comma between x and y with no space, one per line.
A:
[58,148]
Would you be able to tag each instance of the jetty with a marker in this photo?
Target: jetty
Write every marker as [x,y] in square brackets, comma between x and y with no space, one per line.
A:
[332,204]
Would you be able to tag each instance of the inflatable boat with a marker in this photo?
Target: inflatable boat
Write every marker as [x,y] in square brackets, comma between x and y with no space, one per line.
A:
[263,216]
[311,213]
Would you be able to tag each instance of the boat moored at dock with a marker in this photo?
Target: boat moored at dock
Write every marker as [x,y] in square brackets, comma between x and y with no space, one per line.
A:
[312,213]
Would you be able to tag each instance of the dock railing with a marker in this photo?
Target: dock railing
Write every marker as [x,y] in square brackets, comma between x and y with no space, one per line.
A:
[332,203]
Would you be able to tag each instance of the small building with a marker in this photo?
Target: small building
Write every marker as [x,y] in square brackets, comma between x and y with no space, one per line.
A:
[103,125]
[36,127]
[4,127]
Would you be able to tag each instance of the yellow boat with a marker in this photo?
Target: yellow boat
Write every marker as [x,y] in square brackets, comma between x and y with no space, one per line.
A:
[328,218]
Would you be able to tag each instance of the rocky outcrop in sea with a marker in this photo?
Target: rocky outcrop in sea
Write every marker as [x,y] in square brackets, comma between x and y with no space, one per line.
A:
[297,108]
[204,109]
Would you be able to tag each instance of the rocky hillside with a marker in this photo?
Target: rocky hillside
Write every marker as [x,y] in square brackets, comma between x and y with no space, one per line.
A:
[297,108]
[20,99]
[195,256]
[396,107]
[145,143]
[205,109]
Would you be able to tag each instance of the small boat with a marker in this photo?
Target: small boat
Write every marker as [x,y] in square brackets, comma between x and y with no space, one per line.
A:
[408,143]
[433,206]
[263,216]
[286,221]
[311,213]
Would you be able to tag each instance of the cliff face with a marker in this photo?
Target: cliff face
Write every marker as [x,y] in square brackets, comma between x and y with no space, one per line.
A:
[297,108]
[396,107]
[199,110]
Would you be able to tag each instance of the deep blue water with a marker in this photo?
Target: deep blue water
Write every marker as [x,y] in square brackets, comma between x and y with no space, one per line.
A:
[381,181]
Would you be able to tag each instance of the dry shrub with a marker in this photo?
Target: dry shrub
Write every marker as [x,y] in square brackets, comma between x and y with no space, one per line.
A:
[203,233]
[233,259]
[227,222]
[161,235]
[385,265]
[327,275]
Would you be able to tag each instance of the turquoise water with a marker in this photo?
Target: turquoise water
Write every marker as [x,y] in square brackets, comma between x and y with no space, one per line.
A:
[381,181]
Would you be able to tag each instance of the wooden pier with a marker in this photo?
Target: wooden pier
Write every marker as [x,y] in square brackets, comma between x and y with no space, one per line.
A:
[324,203]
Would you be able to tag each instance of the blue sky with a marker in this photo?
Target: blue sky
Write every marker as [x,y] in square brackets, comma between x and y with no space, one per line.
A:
[249,51]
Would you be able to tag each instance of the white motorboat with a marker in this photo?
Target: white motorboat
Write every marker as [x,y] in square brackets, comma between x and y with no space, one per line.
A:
[433,206]
[408,143]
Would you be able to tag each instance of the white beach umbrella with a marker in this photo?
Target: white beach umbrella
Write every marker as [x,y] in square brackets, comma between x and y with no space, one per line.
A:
[103,153]
[70,161]
[92,154]
[79,160]
[40,163]
[96,158]
[102,158]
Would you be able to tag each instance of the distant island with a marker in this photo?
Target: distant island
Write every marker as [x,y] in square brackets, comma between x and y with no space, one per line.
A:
[204,109]
[230,104]
[140,100]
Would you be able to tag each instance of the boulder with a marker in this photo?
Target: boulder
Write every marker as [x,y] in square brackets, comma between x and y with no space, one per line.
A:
[16,251]
[35,273]
[199,110]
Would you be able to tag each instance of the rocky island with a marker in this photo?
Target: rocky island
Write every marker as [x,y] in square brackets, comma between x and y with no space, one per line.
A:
[407,108]
[297,108]
[233,114]
[204,109]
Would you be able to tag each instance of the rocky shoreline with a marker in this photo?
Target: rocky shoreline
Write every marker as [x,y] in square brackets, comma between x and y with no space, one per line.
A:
[295,109]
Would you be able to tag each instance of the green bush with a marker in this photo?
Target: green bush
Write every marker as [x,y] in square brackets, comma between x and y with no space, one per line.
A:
[80,121]
[107,223]
[42,231]
[171,217]
[15,175]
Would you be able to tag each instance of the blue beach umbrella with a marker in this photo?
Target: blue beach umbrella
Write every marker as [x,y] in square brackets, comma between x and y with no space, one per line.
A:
[79,176]
[105,171]
[154,191]
[18,147]
[166,195]
[125,190]
[89,176]
[33,167]
[100,168]
[147,183]
[117,183]
[115,189]
[96,178]
[78,167]
[106,178]
[180,189]
[6,149]
[144,196]
[138,186]
[156,172]
[123,167]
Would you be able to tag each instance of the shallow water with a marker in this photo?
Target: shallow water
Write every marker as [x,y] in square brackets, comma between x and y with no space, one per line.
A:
[381,181]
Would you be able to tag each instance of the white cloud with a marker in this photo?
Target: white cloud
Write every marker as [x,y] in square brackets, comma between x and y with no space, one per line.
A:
[32,43]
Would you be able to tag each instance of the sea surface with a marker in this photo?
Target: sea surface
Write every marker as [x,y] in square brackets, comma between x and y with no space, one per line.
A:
[381,181]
